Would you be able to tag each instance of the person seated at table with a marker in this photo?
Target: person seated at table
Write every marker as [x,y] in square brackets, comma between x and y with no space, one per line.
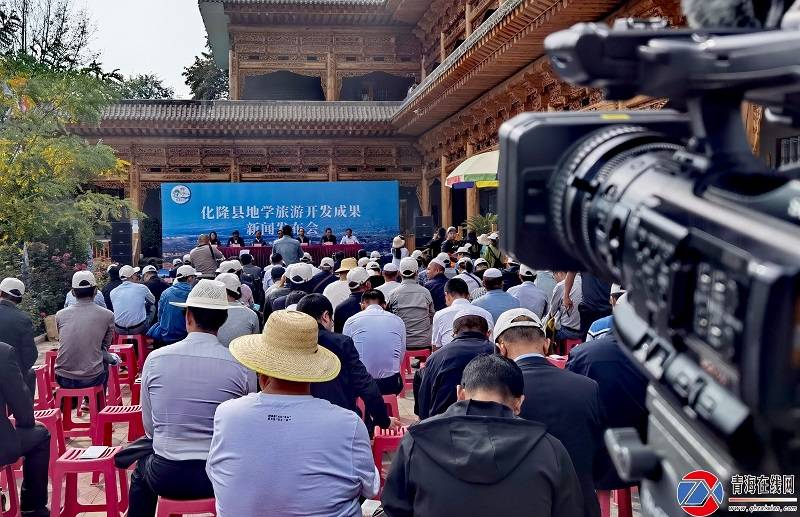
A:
[349,238]
[259,240]
[235,240]
[328,237]
[301,236]
[213,239]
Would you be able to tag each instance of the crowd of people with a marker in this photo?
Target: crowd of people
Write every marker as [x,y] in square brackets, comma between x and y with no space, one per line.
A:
[236,240]
[268,421]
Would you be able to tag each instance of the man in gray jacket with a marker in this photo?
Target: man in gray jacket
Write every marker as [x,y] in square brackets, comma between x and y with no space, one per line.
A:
[288,247]
[414,304]
[16,329]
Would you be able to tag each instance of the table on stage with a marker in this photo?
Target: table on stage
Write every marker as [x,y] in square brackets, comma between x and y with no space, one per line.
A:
[261,254]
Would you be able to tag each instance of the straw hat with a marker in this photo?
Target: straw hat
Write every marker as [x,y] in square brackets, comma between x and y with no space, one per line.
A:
[206,294]
[398,242]
[287,349]
[483,239]
[347,264]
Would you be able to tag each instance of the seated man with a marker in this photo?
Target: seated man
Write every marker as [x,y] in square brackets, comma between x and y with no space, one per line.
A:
[390,281]
[530,297]
[456,295]
[282,451]
[242,320]
[338,291]
[171,325]
[568,404]
[414,304]
[496,301]
[442,372]
[25,438]
[436,281]
[605,324]
[358,281]
[182,385]
[130,301]
[85,332]
[478,459]
[324,278]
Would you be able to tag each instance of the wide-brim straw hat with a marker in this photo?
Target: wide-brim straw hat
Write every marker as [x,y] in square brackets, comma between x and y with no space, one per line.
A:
[398,242]
[206,294]
[287,349]
[347,264]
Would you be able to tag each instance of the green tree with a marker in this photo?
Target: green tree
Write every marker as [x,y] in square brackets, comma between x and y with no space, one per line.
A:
[481,223]
[205,79]
[145,86]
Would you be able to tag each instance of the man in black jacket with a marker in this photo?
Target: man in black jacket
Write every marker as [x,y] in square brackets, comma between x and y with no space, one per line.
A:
[358,280]
[479,459]
[16,329]
[442,372]
[113,282]
[622,395]
[567,403]
[26,439]
[353,380]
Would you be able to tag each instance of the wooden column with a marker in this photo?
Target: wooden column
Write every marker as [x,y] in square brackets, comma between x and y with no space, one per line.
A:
[473,197]
[425,194]
[422,73]
[467,21]
[447,198]
[136,199]
[233,76]
[332,171]
[442,49]
[236,174]
[332,92]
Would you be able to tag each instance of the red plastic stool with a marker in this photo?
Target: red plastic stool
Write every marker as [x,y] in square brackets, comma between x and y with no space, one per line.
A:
[51,420]
[559,361]
[44,394]
[405,369]
[128,356]
[140,341]
[69,465]
[385,440]
[622,498]
[96,403]
[114,395]
[10,482]
[569,344]
[170,507]
[50,365]
[110,415]
[136,392]
[392,408]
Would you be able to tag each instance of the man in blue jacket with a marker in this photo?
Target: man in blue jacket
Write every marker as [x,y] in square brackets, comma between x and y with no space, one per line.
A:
[171,325]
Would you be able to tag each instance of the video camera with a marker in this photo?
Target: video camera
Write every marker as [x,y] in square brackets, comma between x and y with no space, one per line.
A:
[674,206]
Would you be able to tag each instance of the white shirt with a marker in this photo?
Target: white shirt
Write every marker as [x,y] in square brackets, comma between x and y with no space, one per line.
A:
[530,297]
[380,338]
[388,287]
[337,292]
[403,254]
[349,240]
[472,280]
[442,332]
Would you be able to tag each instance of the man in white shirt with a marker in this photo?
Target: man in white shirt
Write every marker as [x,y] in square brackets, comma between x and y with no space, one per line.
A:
[456,296]
[339,291]
[349,238]
[465,268]
[380,338]
[282,451]
[530,297]
[390,283]
[568,319]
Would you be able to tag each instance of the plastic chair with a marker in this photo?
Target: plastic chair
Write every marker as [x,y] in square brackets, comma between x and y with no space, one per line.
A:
[170,507]
[50,365]
[96,403]
[69,465]
[392,408]
[44,394]
[10,481]
[569,344]
[136,392]
[407,371]
[110,415]
[386,440]
[51,420]
[114,395]
[140,341]
[622,497]
[559,361]
[128,356]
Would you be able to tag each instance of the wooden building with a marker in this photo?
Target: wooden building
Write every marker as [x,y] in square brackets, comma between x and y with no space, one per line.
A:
[352,90]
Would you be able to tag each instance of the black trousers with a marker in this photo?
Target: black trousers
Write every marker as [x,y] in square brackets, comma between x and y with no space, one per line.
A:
[35,442]
[391,385]
[589,316]
[156,476]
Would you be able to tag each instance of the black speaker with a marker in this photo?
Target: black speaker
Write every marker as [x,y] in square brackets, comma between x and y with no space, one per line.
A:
[121,252]
[423,228]
[121,233]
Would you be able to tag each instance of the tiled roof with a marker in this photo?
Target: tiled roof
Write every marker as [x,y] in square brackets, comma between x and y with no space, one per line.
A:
[287,112]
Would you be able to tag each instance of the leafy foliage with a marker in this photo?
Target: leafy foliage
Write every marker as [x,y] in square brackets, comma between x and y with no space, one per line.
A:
[145,86]
[482,223]
[205,79]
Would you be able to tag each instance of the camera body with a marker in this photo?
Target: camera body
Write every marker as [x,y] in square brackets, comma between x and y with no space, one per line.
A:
[706,239]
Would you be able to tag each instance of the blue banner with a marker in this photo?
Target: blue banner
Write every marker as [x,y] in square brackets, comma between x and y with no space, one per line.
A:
[370,208]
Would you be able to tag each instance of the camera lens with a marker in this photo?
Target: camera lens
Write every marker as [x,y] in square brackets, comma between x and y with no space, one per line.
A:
[583,174]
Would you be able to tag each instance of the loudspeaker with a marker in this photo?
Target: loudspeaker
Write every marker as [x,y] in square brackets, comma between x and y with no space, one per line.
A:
[121,233]
[423,228]
[121,252]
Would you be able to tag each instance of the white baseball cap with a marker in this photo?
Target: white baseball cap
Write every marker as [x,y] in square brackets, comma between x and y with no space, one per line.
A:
[326,263]
[492,272]
[356,277]
[451,229]
[231,281]
[108,269]
[390,267]
[363,261]
[471,310]
[300,272]
[409,267]
[307,258]
[185,271]
[375,255]
[440,262]
[464,260]
[481,262]
[127,271]
[187,258]
[443,257]
[416,254]
[83,279]
[463,249]
[494,236]
[526,271]
[504,322]
[233,266]
[374,266]
[512,260]
[12,286]
[177,262]
[206,294]
[149,269]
